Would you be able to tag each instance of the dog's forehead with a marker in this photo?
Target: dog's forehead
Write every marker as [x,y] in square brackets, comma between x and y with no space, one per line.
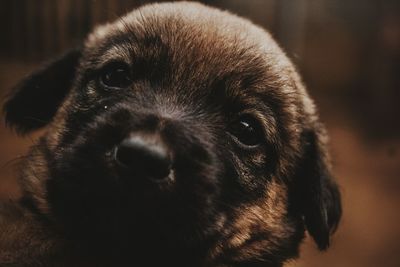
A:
[189,36]
[183,20]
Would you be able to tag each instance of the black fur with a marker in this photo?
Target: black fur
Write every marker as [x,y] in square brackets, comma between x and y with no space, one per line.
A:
[315,194]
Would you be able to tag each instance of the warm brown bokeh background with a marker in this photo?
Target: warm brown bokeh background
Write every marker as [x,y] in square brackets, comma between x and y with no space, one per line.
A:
[349,55]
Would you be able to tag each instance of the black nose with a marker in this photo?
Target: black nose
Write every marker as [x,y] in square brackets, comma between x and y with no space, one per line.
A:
[145,156]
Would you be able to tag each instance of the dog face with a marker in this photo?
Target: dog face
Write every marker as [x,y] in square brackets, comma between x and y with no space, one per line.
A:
[178,130]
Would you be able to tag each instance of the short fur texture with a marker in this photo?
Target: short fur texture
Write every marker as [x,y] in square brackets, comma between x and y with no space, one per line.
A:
[195,71]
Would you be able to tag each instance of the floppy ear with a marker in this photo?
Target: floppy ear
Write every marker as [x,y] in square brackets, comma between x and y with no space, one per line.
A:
[317,193]
[34,101]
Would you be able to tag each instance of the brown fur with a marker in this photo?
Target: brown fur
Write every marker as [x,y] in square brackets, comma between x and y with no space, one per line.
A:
[195,69]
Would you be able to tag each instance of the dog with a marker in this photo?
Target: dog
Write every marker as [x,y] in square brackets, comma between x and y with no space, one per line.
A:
[178,135]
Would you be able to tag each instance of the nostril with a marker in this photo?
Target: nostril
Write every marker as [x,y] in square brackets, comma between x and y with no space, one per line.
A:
[145,157]
[123,155]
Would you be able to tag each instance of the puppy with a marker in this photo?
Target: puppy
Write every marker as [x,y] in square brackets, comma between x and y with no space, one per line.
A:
[179,135]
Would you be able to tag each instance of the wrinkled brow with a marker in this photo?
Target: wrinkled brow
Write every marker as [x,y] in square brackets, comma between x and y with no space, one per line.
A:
[97,58]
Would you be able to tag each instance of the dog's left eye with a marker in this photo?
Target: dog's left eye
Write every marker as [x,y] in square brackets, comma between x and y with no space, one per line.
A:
[247,131]
[116,75]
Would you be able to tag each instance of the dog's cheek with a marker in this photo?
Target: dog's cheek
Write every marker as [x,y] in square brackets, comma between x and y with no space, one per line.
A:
[57,127]
[73,115]
[261,229]
[252,172]
[34,176]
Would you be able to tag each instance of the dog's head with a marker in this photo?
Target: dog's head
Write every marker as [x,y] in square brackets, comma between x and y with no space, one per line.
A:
[178,126]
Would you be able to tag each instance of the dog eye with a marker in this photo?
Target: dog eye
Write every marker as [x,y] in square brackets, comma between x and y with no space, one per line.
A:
[116,75]
[247,131]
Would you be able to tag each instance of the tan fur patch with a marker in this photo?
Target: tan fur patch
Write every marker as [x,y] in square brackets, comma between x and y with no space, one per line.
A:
[265,217]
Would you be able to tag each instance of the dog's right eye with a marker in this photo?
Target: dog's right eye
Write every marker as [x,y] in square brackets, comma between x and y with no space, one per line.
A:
[116,75]
[247,131]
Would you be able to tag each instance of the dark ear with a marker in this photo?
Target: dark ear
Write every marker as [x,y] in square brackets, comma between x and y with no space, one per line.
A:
[34,101]
[317,194]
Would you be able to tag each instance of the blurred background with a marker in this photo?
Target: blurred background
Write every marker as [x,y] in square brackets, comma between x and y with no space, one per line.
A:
[348,53]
